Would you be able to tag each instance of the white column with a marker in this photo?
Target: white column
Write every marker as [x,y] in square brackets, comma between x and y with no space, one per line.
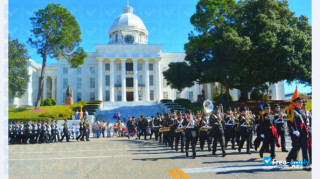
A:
[146,77]
[100,69]
[195,91]
[29,90]
[44,88]
[135,80]
[53,87]
[111,80]
[123,80]
[209,92]
[158,80]
[59,86]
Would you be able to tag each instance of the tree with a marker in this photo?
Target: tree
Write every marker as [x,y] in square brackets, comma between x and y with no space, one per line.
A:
[56,34]
[248,44]
[180,75]
[18,73]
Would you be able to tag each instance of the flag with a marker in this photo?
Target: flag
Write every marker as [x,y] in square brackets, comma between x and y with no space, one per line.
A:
[290,112]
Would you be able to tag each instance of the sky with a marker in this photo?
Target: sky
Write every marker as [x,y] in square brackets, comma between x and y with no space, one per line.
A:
[168,21]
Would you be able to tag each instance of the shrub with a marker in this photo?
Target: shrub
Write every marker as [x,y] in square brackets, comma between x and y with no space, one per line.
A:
[256,95]
[165,100]
[183,102]
[44,114]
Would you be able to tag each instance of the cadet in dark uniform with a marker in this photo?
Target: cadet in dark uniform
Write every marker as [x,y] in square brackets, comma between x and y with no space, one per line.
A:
[246,126]
[218,132]
[44,134]
[28,132]
[48,131]
[298,132]
[230,130]
[144,127]
[308,121]
[156,126]
[87,127]
[205,132]
[259,129]
[269,133]
[280,123]
[65,132]
[172,131]
[179,131]
[11,133]
[81,131]
[191,130]
[166,134]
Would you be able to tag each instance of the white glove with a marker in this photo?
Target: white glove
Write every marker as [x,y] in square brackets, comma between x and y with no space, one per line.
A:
[297,133]
[262,135]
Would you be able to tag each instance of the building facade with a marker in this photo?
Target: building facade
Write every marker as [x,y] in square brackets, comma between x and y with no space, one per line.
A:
[127,69]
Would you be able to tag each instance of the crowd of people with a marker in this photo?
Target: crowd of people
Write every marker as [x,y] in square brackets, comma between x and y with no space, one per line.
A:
[235,126]
[118,129]
[38,132]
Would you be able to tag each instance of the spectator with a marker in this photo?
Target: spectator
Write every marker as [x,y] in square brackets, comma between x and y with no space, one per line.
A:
[115,129]
[103,128]
[77,130]
[86,114]
[76,115]
[94,130]
[73,130]
[98,129]
[109,125]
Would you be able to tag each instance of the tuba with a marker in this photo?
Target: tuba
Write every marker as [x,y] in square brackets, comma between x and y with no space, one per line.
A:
[208,106]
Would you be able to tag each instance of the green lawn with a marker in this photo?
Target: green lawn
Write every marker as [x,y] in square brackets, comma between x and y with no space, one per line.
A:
[27,113]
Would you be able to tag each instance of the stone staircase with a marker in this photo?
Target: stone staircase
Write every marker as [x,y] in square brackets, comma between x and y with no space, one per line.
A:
[126,109]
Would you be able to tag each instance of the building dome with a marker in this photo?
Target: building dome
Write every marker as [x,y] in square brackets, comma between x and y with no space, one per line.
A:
[128,24]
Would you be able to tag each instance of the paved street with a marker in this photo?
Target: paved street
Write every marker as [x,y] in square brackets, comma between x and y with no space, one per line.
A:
[123,158]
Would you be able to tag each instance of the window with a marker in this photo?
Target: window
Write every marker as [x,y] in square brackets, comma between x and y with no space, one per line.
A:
[119,96]
[92,83]
[139,67]
[129,82]
[190,97]
[151,67]
[165,95]
[151,80]
[151,95]
[78,96]
[107,66]
[64,96]
[118,79]
[108,95]
[116,37]
[79,69]
[65,70]
[129,66]
[140,93]
[92,70]
[140,79]
[79,82]
[118,66]
[92,96]
[65,83]
[177,94]
[107,80]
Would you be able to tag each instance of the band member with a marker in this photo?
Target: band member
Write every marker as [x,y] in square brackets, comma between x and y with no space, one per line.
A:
[143,126]
[48,131]
[237,126]
[11,133]
[205,132]
[179,131]
[80,136]
[298,131]
[166,133]
[191,130]
[218,132]
[280,123]
[156,126]
[65,132]
[308,121]
[258,122]
[230,130]
[246,126]
[269,132]
[161,126]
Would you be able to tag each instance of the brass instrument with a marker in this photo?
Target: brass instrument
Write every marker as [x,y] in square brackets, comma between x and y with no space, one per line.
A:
[164,129]
[205,129]
[179,130]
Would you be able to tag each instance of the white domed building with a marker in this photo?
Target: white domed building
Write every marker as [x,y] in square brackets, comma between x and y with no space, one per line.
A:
[127,70]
